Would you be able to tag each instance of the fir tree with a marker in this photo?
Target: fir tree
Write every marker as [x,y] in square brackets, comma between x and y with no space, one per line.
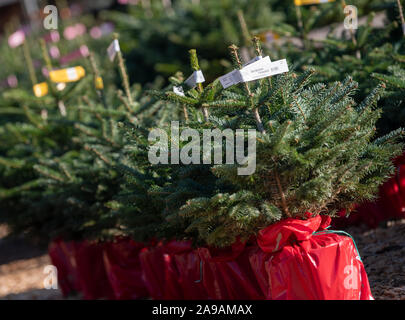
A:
[393,101]
[316,153]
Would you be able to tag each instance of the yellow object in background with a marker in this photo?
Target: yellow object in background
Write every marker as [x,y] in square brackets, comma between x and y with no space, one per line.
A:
[305,2]
[268,36]
[40,89]
[99,83]
[67,75]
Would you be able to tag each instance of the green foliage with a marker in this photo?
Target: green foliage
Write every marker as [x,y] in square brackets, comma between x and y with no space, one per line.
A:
[87,174]
[317,154]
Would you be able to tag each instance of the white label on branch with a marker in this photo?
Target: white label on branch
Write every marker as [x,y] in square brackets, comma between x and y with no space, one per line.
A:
[253,60]
[44,114]
[196,77]
[231,78]
[261,68]
[16,39]
[257,70]
[71,73]
[235,76]
[279,66]
[113,49]
[61,85]
[179,91]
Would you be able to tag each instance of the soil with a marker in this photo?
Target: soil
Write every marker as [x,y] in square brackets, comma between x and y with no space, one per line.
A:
[22,270]
[382,251]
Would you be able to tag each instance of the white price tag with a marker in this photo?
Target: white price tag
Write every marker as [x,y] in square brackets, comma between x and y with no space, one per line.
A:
[254,70]
[253,60]
[179,91]
[16,39]
[257,70]
[113,48]
[38,91]
[44,114]
[196,77]
[279,66]
[71,74]
[231,78]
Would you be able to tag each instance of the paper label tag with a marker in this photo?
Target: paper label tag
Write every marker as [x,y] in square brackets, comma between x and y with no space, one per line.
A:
[279,66]
[179,91]
[54,52]
[98,83]
[196,77]
[113,49]
[261,68]
[306,2]
[52,36]
[12,81]
[257,70]
[82,52]
[16,39]
[253,60]
[44,114]
[61,86]
[231,78]
[199,77]
[71,74]
[40,89]
[67,75]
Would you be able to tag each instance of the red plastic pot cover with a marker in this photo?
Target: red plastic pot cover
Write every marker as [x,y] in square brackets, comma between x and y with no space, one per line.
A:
[172,271]
[389,205]
[227,273]
[392,193]
[401,180]
[182,272]
[368,213]
[123,268]
[294,263]
[342,221]
[91,272]
[153,270]
[62,257]
[392,202]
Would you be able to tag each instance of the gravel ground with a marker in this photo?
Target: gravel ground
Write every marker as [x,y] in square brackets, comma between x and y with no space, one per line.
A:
[23,279]
[22,270]
[382,250]
[383,254]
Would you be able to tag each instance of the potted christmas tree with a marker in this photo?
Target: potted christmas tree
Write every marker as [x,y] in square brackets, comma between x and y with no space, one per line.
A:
[315,154]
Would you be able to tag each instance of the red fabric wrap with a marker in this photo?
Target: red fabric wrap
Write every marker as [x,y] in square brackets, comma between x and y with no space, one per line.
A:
[292,259]
[91,272]
[389,205]
[275,237]
[227,273]
[62,257]
[293,263]
[153,270]
[171,270]
[81,268]
[123,268]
